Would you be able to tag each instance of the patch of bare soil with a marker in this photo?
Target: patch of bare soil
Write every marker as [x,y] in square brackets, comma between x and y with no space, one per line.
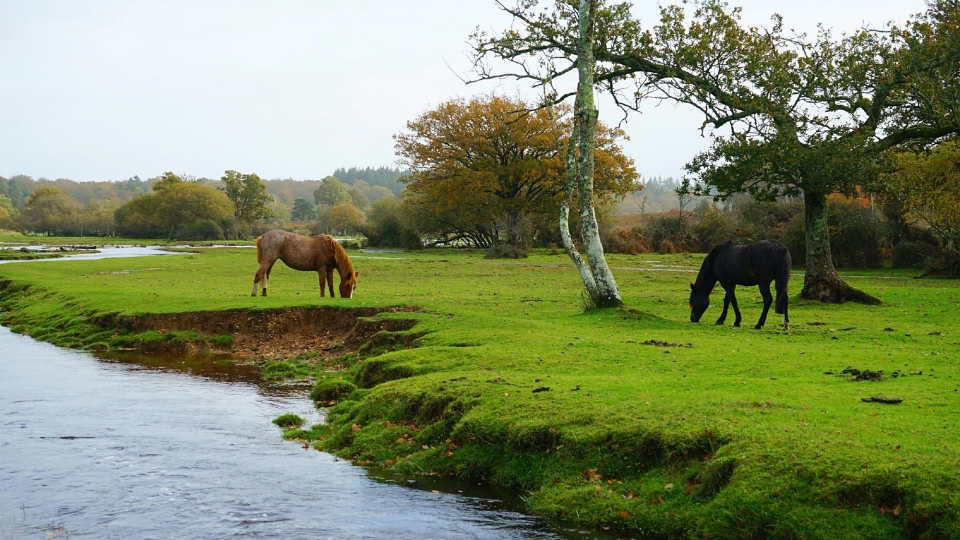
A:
[280,333]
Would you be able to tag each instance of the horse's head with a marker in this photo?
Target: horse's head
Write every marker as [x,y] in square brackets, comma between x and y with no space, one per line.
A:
[699,302]
[348,283]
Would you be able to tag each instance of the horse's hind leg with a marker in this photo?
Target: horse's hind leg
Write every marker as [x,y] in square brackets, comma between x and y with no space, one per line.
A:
[767,300]
[261,279]
[266,278]
[322,272]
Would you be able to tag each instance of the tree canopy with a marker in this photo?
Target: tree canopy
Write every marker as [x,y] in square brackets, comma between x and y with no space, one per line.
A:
[173,205]
[473,160]
[303,210]
[929,184]
[248,195]
[331,192]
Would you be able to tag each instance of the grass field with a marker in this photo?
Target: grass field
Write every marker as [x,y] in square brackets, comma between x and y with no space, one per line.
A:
[725,433]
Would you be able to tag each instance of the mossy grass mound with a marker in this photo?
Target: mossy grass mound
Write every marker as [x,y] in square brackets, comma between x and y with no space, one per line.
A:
[289,420]
[648,422]
[331,389]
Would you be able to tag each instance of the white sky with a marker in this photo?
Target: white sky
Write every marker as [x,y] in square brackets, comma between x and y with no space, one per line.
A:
[104,90]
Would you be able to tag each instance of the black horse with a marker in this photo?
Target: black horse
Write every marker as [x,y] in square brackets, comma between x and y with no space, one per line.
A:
[758,263]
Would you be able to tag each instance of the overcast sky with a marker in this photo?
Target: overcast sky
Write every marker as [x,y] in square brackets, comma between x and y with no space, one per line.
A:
[104,90]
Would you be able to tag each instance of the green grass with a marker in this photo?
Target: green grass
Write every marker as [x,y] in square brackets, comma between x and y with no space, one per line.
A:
[739,434]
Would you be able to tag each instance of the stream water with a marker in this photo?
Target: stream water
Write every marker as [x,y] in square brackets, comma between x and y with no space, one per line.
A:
[154,447]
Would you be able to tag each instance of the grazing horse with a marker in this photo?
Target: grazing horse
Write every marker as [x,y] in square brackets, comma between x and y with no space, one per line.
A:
[758,263]
[321,253]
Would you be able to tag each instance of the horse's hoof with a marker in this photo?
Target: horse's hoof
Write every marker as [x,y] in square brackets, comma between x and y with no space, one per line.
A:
[757,327]
[736,325]
[718,323]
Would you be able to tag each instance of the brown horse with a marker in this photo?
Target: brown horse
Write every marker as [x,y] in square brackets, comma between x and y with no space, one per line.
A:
[321,253]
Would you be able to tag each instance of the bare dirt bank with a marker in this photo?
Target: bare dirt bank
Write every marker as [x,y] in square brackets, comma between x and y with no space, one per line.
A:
[276,333]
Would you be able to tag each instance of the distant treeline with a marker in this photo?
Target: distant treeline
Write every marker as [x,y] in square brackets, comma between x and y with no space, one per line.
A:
[19,187]
[659,194]
[145,209]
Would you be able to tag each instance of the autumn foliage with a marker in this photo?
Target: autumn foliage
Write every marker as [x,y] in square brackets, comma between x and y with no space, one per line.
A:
[473,161]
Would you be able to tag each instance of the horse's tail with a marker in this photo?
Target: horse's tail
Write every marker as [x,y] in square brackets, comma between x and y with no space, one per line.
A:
[783,277]
[259,253]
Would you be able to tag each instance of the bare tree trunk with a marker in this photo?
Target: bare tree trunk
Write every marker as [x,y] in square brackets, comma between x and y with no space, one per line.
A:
[582,266]
[821,281]
[607,294]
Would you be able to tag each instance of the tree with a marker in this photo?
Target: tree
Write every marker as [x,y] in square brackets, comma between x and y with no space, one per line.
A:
[358,199]
[303,210]
[248,195]
[331,192]
[345,216]
[97,218]
[8,214]
[808,117]
[579,20]
[473,160]
[929,183]
[51,211]
[389,225]
[174,204]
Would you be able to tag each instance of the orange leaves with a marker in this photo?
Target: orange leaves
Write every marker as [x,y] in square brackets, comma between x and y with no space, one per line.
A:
[895,511]
[624,515]
[472,160]
[591,475]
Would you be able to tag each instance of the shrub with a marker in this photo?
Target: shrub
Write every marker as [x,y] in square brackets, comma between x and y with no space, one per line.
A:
[331,390]
[289,420]
[225,340]
[914,254]
[628,241]
[202,229]
[502,250]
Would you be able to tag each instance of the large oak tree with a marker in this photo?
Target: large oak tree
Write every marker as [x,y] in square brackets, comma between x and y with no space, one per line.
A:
[472,161]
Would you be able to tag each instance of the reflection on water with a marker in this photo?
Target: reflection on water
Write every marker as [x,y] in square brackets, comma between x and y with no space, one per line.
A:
[115,252]
[132,446]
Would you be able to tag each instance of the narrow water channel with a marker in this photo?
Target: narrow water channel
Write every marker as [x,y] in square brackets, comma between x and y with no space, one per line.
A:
[150,447]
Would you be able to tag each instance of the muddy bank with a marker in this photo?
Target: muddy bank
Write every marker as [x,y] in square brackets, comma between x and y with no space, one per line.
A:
[272,333]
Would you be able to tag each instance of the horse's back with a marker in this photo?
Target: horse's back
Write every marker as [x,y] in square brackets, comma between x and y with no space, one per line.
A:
[749,264]
[295,250]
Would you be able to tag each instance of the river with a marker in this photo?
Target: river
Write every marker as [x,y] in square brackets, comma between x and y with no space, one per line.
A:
[166,447]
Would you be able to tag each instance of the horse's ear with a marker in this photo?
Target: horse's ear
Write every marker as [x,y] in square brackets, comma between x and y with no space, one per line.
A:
[356,274]
[349,274]
[692,288]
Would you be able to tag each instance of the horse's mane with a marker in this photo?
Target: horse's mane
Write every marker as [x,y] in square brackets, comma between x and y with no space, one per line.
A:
[344,266]
[706,274]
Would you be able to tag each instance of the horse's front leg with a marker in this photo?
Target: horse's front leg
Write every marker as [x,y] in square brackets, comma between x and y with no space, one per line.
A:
[330,282]
[726,305]
[767,300]
[322,271]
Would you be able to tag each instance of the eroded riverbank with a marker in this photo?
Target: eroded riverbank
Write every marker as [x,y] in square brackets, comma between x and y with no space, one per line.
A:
[139,446]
